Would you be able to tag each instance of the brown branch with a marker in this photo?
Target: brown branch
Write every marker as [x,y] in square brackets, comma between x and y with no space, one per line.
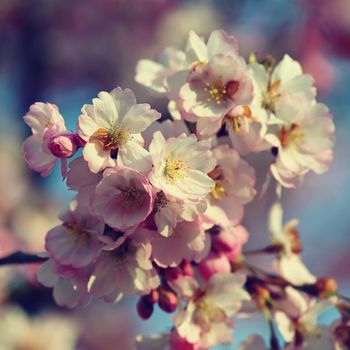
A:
[19,258]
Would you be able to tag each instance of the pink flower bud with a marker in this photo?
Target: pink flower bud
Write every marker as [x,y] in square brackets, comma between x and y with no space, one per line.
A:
[214,263]
[144,307]
[153,297]
[230,241]
[167,300]
[63,145]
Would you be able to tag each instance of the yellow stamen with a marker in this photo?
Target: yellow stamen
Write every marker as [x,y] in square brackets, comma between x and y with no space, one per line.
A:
[174,169]
[111,139]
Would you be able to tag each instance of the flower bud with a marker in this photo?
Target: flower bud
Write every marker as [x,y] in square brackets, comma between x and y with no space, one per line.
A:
[212,264]
[153,297]
[230,241]
[167,300]
[63,145]
[144,307]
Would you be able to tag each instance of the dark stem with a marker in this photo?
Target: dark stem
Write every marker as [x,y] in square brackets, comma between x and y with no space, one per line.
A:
[21,258]
[274,343]
[271,249]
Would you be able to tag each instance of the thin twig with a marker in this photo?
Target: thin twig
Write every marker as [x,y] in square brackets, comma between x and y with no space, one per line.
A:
[19,258]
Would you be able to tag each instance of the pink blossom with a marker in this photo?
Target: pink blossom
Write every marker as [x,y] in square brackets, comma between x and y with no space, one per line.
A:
[234,187]
[69,284]
[126,270]
[206,318]
[214,89]
[111,127]
[46,124]
[188,241]
[82,180]
[212,264]
[42,116]
[76,242]
[180,166]
[124,198]
[247,128]
[169,211]
[230,241]
[304,141]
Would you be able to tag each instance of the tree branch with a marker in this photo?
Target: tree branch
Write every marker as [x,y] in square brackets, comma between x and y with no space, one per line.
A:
[19,258]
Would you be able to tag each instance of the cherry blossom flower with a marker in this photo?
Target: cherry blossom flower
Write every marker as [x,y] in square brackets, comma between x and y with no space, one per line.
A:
[126,270]
[180,166]
[188,241]
[69,284]
[111,127]
[301,145]
[213,89]
[289,264]
[76,241]
[169,211]
[304,322]
[234,187]
[50,140]
[124,198]
[82,180]
[206,319]
[174,65]
[247,128]
[287,78]
[154,75]
[42,116]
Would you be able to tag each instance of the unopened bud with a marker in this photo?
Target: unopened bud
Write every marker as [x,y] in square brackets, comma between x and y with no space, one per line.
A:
[167,300]
[153,297]
[213,264]
[144,307]
[63,145]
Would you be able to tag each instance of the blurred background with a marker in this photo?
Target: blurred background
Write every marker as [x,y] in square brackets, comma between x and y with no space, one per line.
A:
[64,52]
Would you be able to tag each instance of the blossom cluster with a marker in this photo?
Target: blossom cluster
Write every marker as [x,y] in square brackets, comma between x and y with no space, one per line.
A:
[160,200]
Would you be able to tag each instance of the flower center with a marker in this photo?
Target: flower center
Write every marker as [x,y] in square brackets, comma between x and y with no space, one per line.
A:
[290,135]
[270,99]
[73,229]
[132,197]
[174,169]
[239,117]
[219,91]
[161,201]
[294,239]
[111,139]
[206,314]
[218,191]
